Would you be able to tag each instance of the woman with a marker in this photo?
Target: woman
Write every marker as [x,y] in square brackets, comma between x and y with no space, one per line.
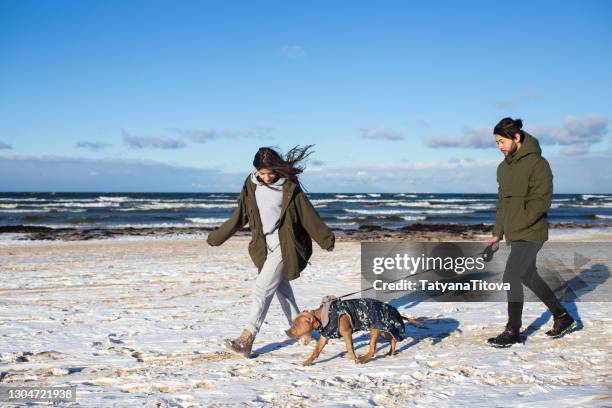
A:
[282,222]
[525,194]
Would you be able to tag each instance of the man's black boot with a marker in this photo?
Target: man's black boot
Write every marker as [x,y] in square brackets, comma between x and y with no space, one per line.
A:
[562,324]
[507,338]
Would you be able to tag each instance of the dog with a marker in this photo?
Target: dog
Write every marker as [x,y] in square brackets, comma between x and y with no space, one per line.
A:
[341,318]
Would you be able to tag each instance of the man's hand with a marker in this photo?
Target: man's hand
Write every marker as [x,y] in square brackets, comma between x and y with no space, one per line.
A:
[494,242]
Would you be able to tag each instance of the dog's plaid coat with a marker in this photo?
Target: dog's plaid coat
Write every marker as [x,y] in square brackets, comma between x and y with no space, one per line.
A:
[365,314]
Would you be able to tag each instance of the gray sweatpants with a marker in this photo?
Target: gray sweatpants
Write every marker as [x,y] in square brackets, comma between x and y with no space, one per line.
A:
[269,281]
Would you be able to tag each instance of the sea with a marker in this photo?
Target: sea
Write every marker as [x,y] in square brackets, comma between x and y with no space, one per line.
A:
[339,211]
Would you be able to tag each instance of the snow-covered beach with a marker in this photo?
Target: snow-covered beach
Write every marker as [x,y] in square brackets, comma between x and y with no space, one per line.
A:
[140,321]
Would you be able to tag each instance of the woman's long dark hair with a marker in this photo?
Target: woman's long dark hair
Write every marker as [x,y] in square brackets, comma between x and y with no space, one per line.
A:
[508,127]
[288,167]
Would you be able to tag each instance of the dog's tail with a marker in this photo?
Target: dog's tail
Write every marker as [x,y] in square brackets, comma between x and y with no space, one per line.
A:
[414,322]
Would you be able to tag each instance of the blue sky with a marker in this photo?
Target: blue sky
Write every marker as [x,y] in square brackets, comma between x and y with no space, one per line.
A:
[396,96]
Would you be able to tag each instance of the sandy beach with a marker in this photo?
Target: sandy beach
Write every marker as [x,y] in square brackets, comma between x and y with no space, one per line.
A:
[140,322]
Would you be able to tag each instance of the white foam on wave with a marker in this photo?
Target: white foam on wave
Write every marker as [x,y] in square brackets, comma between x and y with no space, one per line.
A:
[170,206]
[409,218]
[120,199]
[427,204]
[374,212]
[206,221]
[21,199]
[462,200]
[598,205]
[352,200]
[587,197]
[342,225]
[69,204]
[21,210]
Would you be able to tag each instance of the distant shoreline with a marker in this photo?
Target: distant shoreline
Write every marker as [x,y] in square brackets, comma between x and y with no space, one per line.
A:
[427,231]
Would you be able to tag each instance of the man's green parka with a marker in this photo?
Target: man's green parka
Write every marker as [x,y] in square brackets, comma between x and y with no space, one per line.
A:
[299,222]
[525,194]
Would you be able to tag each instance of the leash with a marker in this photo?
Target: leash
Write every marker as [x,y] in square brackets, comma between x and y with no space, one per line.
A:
[487,256]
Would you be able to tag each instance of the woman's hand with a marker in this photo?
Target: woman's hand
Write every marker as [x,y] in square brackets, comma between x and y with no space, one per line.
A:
[494,242]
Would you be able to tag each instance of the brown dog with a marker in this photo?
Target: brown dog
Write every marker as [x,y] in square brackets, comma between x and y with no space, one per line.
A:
[308,321]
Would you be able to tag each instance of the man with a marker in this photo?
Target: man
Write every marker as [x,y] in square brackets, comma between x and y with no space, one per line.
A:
[525,193]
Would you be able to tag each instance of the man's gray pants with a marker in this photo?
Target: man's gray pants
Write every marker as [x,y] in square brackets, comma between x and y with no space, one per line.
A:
[269,281]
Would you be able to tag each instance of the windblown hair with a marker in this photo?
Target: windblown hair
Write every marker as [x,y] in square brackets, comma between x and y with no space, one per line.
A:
[288,167]
[508,127]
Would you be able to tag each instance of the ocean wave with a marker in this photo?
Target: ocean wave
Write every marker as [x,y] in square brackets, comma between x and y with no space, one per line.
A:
[350,195]
[598,205]
[460,200]
[120,199]
[342,225]
[603,216]
[13,199]
[69,204]
[171,206]
[409,218]
[351,200]
[206,221]
[427,204]
[81,220]
[373,212]
[21,210]
[587,197]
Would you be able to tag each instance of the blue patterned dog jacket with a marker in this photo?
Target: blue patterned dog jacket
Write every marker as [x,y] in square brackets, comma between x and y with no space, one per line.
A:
[365,314]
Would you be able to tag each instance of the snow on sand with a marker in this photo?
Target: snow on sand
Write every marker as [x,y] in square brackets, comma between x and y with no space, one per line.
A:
[141,322]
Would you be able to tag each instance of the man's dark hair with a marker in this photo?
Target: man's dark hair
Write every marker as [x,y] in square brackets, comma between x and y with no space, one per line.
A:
[508,127]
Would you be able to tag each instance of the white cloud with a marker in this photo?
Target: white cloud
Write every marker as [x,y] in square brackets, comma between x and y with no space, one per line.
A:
[54,173]
[380,134]
[198,135]
[585,131]
[208,134]
[57,173]
[158,142]
[458,175]
[93,146]
[577,134]
[477,138]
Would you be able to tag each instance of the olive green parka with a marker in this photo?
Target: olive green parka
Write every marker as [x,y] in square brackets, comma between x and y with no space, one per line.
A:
[299,225]
[525,194]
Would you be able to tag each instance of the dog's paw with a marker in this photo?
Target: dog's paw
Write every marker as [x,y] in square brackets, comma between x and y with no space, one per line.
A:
[363,359]
[307,362]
